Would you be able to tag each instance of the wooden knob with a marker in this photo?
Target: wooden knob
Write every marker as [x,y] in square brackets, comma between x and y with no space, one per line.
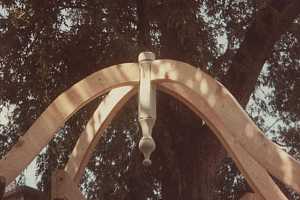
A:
[147,146]
[146,56]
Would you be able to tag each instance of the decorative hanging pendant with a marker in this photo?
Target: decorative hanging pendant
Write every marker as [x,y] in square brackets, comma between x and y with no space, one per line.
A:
[146,106]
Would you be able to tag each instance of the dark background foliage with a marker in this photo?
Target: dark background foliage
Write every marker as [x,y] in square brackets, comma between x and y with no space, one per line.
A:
[251,46]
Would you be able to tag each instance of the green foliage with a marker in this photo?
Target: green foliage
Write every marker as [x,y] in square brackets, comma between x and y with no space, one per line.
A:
[48,45]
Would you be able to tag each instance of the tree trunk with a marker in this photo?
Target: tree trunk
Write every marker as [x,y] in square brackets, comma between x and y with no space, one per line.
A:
[190,152]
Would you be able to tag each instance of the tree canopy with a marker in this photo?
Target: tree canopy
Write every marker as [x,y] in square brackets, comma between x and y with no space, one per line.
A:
[251,46]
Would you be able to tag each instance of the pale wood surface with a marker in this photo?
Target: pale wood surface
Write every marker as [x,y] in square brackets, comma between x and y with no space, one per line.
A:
[146,107]
[251,196]
[147,92]
[63,187]
[60,110]
[256,175]
[225,107]
[104,114]
[243,129]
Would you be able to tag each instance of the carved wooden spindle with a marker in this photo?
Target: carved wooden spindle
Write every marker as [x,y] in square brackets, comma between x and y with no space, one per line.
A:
[147,106]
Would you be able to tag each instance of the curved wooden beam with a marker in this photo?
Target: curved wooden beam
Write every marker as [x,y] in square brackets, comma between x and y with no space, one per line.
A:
[106,111]
[251,196]
[237,122]
[60,110]
[255,174]
[63,187]
[257,177]
[240,126]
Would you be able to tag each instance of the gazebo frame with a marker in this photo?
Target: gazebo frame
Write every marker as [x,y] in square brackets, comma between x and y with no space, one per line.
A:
[254,154]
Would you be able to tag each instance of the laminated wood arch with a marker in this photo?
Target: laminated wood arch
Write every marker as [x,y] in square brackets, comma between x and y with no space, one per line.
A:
[60,110]
[231,124]
[255,174]
[88,139]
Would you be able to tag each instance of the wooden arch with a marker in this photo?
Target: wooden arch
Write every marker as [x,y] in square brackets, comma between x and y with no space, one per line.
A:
[252,152]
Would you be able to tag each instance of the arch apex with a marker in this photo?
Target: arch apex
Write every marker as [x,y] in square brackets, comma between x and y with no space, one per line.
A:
[146,56]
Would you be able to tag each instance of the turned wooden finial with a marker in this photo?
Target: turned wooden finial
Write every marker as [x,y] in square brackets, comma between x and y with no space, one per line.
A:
[147,106]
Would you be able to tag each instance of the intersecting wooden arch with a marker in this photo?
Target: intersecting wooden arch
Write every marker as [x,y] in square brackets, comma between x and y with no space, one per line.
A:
[255,155]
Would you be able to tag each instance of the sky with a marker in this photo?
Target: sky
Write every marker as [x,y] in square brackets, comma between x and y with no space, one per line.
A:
[30,179]
[29,172]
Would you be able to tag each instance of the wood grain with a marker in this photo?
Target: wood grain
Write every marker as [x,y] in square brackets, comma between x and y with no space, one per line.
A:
[212,94]
[102,117]
[63,187]
[251,196]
